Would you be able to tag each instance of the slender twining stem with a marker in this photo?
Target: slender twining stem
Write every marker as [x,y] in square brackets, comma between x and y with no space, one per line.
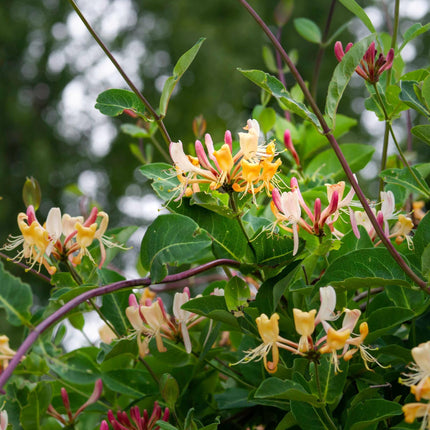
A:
[96,292]
[149,369]
[157,118]
[321,50]
[327,133]
[323,409]
[384,156]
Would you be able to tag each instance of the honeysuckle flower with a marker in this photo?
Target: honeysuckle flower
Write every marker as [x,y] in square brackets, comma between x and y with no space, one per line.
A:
[249,170]
[328,304]
[402,230]
[60,238]
[3,420]
[106,334]
[137,421]
[417,209]
[420,368]
[412,411]
[71,417]
[288,141]
[268,328]
[370,67]
[305,326]
[6,353]
[182,316]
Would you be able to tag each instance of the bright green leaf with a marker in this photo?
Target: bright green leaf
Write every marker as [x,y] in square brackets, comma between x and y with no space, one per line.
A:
[165,182]
[276,88]
[354,7]
[113,102]
[15,298]
[35,408]
[342,75]
[404,178]
[425,90]
[181,66]
[327,164]
[172,240]
[412,32]
[308,30]
[266,118]
[135,131]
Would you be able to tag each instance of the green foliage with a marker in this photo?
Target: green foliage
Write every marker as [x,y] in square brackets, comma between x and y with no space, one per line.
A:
[114,102]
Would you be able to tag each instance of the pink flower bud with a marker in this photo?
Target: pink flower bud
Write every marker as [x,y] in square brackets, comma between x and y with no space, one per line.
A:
[66,402]
[228,139]
[132,301]
[276,197]
[104,425]
[201,155]
[289,145]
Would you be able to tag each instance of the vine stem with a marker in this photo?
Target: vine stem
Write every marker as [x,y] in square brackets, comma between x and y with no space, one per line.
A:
[327,133]
[96,292]
[157,118]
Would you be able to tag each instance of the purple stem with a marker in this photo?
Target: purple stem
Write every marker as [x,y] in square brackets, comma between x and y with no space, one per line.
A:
[60,313]
[327,133]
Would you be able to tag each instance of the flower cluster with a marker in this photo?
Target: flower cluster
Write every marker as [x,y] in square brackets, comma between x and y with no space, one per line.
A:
[340,343]
[249,170]
[61,238]
[6,353]
[150,320]
[371,67]
[401,229]
[287,208]
[419,381]
[138,422]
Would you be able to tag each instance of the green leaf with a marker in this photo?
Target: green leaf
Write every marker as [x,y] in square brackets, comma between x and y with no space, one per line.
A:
[35,409]
[422,235]
[307,416]
[371,411]
[354,7]
[385,319]
[276,89]
[404,178]
[331,383]
[412,32]
[181,66]
[425,91]
[407,298]
[409,96]
[134,383]
[422,132]
[15,298]
[266,118]
[364,268]
[236,293]
[275,388]
[214,201]
[228,240]
[342,75]
[113,102]
[113,309]
[77,367]
[308,30]
[134,131]
[172,239]
[273,249]
[213,307]
[327,164]
[164,179]
[425,262]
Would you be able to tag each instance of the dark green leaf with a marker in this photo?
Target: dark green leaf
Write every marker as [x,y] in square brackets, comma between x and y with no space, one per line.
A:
[181,66]
[113,102]
[422,235]
[35,409]
[213,307]
[275,388]
[172,240]
[307,416]
[342,75]
[422,132]
[364,268]
[425,262]
[236,293]
[385,319]
[15,298]
[327,164]
[371,411]
[308,30]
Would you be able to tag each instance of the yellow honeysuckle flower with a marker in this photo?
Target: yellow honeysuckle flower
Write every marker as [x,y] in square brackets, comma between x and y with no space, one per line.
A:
[6,353]
[417,410]
[305,326]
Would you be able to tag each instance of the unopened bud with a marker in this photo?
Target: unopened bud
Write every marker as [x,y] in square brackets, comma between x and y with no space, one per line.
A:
[169,389]
[31,193]
[199,126]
